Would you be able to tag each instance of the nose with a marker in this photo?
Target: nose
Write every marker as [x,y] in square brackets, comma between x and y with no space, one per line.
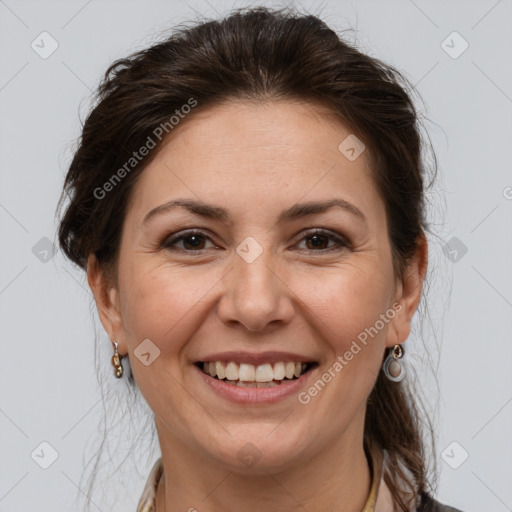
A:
[256,295]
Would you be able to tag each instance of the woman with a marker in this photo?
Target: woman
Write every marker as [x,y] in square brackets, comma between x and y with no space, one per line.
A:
[247,200]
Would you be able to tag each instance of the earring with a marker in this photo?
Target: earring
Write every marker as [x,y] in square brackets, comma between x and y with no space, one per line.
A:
[116,362]
[393,369]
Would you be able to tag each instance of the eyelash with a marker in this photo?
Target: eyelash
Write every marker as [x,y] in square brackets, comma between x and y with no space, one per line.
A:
[168,242]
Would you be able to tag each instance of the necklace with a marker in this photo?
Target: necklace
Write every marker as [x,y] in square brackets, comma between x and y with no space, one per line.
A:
[155,483]
[375,463]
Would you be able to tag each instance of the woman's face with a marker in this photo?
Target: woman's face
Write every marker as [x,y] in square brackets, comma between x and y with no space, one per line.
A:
[254,279]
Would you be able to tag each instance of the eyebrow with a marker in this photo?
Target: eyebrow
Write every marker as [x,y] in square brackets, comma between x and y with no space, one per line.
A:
[296,211]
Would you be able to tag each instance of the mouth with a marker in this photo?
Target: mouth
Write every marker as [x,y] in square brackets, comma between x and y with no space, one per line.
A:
[264,375]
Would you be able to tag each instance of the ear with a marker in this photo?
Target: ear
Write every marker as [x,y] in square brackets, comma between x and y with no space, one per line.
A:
[107,302]
[408,294]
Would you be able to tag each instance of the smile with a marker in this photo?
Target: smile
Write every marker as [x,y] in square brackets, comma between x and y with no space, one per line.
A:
[249,375]
[247,383]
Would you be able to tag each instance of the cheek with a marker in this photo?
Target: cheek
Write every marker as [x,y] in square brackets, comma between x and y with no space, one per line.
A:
[345,301]
[162,303]
[344,307]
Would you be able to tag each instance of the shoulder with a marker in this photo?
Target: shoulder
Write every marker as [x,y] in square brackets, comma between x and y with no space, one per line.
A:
[429,504]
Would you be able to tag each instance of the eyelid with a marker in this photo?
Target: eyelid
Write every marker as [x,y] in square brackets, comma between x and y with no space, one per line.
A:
[328,232]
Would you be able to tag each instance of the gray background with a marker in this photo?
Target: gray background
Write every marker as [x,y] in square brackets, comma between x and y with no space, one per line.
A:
[49,391]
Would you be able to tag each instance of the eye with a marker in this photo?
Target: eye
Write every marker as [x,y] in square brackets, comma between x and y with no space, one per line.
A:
[193,241]
[319,237]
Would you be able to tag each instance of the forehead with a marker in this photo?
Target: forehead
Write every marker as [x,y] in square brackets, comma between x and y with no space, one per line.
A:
[254,156]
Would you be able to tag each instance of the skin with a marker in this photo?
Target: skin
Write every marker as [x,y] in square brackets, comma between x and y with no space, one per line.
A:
[256,160]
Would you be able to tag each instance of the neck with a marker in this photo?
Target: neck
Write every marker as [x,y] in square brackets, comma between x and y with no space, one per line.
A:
[336,478]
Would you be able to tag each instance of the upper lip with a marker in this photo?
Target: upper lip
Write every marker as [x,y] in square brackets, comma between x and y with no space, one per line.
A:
[256,358]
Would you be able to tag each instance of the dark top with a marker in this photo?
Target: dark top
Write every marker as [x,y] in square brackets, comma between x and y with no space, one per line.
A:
[429,504]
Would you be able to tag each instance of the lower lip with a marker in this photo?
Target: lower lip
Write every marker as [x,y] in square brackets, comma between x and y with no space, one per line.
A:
[243,395]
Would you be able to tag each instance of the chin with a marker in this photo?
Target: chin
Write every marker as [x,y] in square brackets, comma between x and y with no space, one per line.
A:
[257,453]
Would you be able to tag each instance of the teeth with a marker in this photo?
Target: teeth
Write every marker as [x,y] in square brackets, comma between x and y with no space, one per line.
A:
[220,370]
[245,384]
[290,370]
[232,371]
[264,373]
[248,374]
[253,384]
[279,372]
[266,384]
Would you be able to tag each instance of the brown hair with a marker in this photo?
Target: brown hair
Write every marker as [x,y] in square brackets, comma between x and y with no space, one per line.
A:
[260,54]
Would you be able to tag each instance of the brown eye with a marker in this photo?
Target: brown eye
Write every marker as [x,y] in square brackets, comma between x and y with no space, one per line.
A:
[319,238]
[317,241]
[193,241]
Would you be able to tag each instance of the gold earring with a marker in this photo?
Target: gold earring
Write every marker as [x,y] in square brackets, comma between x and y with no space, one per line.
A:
[393,369]
[116,362]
